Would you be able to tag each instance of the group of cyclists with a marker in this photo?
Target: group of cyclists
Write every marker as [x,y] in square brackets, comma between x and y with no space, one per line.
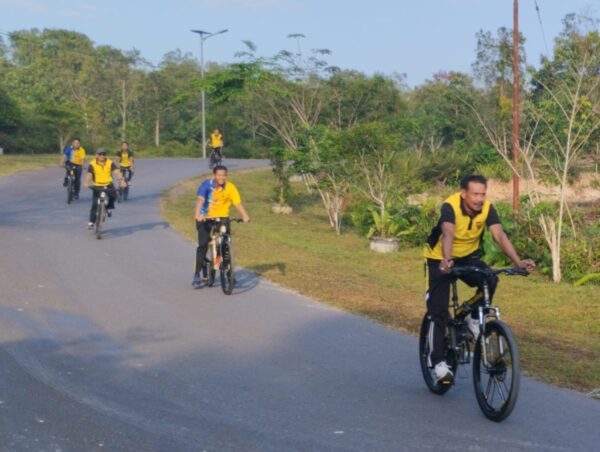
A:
[100,173]
[455,241]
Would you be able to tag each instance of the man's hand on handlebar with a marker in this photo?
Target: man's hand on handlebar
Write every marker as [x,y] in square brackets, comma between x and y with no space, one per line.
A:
[446,266]
[526,264]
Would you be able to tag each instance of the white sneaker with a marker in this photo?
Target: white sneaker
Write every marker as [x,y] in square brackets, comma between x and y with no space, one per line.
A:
[443,374]
[90,225]
[473,325]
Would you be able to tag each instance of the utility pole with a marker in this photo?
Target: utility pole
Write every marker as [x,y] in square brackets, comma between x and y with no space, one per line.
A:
[204,35]
[515,105]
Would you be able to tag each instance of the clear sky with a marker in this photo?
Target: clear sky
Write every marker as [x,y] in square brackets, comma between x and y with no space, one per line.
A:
[416,37]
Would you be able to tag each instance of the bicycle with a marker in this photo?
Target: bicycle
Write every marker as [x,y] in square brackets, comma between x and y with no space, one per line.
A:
[220,254]
[496,353]
[123,192]
[100,211]
[216,157]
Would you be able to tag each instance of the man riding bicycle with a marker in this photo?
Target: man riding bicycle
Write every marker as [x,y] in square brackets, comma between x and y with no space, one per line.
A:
[126,161]
[101,171]
[455,241]
[216,143]
[215,197]
[73,157]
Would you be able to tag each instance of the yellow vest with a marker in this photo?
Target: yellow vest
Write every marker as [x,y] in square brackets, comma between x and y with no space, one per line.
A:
[125,161]
[216,140]
[467,231]
[102,173]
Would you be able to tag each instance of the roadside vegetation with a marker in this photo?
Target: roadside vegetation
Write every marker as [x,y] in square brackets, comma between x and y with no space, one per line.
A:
[23,162]
[556,324]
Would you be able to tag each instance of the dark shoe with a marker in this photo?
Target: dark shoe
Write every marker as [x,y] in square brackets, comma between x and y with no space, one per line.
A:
[108,213]
[197,283]
[75,196]
[65,182]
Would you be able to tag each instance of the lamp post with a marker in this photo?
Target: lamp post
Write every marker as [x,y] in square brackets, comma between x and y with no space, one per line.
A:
[204,35]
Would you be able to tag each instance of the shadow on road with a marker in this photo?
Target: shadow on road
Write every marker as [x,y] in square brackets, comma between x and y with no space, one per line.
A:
[263,268]
[128,230]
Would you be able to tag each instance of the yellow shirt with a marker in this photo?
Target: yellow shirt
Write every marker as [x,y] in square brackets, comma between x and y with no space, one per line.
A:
[125,160]
[218,200]
[467,231]
[216,140]
[77,156]
[102,173]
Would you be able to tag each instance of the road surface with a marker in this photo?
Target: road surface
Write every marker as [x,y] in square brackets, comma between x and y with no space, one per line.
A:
[105,346]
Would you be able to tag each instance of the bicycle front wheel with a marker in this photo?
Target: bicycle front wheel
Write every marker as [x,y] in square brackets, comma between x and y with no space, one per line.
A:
[226,268]
[426,368]
[99,220]
[496,378]
[69,190]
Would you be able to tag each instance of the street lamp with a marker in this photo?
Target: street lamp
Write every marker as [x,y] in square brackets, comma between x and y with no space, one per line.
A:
[204,35]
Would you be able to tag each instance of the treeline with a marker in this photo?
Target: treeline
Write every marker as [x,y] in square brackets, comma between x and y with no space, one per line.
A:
[361,143]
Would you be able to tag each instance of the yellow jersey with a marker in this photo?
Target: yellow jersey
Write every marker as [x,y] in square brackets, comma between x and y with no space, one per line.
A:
[125,158]
[216,140]
[468,230]
[218,199]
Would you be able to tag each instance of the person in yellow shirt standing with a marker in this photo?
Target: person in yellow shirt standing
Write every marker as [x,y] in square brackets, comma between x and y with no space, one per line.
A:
[73,157]
[215,197]
[101,172]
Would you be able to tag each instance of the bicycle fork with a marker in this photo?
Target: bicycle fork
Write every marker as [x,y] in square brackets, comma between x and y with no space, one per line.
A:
[491,312]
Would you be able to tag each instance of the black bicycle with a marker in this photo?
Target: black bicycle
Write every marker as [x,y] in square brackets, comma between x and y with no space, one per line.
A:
[496,365]
[220,254]
[123,192]
[216,157]
[70,183]
[100,211]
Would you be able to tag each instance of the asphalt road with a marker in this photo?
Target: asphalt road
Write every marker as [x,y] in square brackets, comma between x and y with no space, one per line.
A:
[106,346]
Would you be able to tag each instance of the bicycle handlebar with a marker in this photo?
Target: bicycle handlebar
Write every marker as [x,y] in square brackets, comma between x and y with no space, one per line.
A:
[460,271]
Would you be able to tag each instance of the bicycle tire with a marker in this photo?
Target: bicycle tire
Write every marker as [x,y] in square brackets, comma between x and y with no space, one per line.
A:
[126,193]
[70,190]
[501,366]
[226,268]
[434,387]
[99,219]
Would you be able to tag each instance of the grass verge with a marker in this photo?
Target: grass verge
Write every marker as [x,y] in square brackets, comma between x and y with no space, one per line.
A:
[557,325]
[10,164]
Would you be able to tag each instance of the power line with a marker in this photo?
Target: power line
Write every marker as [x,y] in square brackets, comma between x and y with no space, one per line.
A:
[537,8]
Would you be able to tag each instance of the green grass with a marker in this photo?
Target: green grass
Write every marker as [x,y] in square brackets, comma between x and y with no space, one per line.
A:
[10,164]
[557,325]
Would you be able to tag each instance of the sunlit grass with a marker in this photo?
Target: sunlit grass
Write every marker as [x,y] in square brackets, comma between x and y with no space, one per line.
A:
[557,325]
[23,162]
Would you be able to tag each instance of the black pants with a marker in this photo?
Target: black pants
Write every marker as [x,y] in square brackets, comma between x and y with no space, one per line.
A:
[127,173]
[203,228]
[438,298]
[77,174]
[112,195]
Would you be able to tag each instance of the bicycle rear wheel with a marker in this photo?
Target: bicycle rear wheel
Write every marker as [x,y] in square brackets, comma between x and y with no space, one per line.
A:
[99,220]
[226,268]
[426,368]
[497,383]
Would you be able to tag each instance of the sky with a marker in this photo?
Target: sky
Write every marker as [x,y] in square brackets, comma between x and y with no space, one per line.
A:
[414,37]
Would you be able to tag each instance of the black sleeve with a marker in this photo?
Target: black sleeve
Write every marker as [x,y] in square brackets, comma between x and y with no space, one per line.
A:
[447,214]
[90,169]
[113,167]
[492,217]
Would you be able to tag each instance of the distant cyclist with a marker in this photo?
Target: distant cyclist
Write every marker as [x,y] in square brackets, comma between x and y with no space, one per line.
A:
[73,157]
[101,172]
[454,242]
[215,197]
[126,161]
[216,143]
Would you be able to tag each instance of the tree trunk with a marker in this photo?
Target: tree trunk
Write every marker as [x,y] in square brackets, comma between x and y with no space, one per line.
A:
[123,110]
[157,130]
